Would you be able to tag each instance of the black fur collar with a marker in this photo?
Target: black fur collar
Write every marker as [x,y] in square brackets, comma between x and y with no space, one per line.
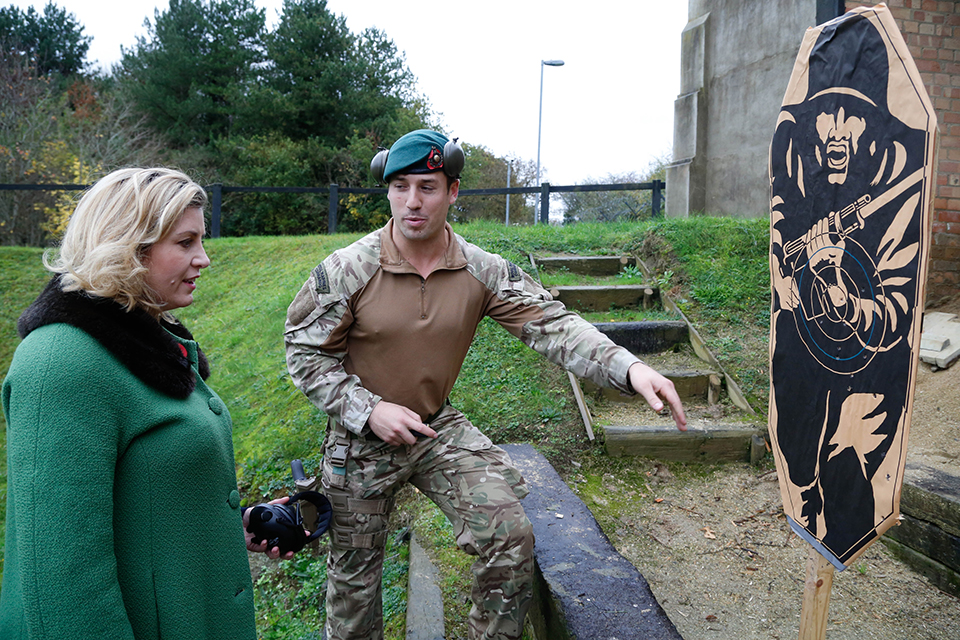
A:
[135,338]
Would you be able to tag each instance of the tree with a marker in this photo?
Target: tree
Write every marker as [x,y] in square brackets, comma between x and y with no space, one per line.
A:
[28,123]
[53,42]
[325,82]
[608,206]
[191,74]
[483,170]
[105,131]
[98,133]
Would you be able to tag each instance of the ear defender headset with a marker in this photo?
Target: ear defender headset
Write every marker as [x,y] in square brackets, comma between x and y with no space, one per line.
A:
[281,525]
[451,161]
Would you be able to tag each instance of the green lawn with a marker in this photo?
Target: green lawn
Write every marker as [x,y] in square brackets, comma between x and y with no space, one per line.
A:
[718,266]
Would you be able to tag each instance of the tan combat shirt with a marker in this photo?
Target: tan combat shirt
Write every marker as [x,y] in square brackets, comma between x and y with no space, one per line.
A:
[366,326]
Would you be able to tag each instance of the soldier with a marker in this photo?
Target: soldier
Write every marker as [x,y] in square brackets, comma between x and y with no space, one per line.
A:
[376,338]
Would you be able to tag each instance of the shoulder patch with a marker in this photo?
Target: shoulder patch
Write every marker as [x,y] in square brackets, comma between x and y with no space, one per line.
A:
[320,275]
[515,274]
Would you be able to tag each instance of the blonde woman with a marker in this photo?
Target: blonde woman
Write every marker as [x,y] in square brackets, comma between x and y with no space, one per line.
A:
[123,516]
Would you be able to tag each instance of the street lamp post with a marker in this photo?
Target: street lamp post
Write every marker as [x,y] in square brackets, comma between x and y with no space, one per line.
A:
[543,63]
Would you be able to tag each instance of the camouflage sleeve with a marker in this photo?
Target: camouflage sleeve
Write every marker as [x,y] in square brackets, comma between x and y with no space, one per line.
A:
[529,312]
[314,335]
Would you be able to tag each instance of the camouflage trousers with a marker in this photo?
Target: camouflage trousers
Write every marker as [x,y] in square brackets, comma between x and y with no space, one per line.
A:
[475,485]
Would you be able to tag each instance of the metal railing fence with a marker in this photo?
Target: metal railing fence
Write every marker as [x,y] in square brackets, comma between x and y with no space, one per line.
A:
[216,192]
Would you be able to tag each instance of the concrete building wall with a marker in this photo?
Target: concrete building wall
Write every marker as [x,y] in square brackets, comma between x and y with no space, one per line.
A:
[736,60]
[932,31]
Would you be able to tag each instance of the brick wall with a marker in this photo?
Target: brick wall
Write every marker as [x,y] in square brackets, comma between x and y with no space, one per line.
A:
[932,31]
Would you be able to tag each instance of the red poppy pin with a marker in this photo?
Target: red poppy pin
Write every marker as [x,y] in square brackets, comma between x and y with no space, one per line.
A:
[183,350]
[435,159]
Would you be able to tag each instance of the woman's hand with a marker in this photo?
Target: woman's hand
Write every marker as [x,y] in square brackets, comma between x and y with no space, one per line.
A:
[262,547]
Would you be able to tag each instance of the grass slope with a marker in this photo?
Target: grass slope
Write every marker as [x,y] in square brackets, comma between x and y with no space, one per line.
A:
[718,266]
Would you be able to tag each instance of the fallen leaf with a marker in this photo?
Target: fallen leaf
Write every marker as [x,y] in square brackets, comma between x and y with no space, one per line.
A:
[708,533]
[711,618]
[658,500]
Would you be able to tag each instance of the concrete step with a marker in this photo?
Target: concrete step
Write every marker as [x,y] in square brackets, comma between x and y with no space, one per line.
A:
[604,298]
[584,587]
[586,265]
[940,341]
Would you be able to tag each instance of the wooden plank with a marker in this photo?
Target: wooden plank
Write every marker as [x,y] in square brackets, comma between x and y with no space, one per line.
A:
[701,349]
[816,597]
[932,495]
[581,404]
[646,336]
[718,444]
[928,539]
[690,386]
[586,265]
[603,298]
[940,576]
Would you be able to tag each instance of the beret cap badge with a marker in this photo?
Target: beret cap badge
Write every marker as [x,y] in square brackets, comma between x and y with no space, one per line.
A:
[434,159]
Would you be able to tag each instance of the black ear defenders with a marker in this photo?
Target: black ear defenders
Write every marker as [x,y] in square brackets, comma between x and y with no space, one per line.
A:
[379,163]
[281,525]
[451,162]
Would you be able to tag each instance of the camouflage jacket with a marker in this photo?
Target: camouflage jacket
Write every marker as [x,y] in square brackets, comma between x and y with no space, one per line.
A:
[324,346]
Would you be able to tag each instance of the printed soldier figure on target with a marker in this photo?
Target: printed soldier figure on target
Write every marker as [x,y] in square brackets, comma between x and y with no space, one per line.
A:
[849,235]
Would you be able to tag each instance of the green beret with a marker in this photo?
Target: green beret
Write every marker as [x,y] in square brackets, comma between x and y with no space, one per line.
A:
[419,151]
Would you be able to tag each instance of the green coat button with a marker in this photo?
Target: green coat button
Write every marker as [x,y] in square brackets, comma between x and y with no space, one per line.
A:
[216,405]
[234,499]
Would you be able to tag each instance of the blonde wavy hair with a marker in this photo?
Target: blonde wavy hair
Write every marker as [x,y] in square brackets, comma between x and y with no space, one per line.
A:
[115,222]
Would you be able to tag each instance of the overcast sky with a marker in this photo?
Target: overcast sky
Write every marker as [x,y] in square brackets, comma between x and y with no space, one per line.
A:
[609,109]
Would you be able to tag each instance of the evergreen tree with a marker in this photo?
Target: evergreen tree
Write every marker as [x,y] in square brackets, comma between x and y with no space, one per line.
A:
[52,41]
[329,83]
[191,74]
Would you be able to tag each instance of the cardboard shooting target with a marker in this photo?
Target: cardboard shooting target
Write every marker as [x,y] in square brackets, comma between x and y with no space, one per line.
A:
[851,166]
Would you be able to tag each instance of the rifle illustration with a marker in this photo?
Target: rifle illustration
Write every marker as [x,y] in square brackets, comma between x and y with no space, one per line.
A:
[852,217]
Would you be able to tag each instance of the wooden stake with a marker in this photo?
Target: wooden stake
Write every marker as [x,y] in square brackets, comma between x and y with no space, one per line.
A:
[816,597]
[581,403]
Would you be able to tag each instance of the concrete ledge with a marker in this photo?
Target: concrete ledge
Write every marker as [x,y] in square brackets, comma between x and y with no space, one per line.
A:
[940,341]
[585,588]
[424,600]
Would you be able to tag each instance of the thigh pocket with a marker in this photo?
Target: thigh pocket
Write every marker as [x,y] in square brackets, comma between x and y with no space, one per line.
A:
[481,460]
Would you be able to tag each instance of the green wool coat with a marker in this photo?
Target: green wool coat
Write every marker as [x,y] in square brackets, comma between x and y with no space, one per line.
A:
[123,516]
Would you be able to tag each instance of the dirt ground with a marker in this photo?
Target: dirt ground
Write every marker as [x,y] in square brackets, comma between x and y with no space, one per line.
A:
[724,563]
